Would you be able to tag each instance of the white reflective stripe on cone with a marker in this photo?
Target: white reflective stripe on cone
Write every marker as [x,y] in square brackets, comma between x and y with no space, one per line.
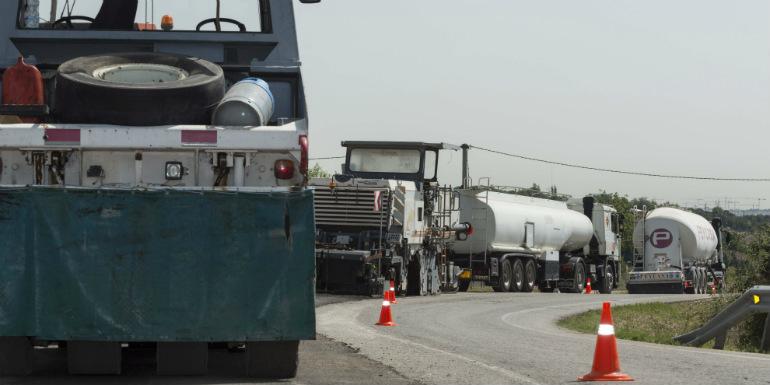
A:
[606,330]
[385,303]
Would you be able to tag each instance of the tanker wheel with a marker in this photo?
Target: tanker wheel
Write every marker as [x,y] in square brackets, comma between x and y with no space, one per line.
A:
[518,276]
[506,277]
[530,276]
[464,285]
[696,280]
[138,89]
[607,282]
[579,278]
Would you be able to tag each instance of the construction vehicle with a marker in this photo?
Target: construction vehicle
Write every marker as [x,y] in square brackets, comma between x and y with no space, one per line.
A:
[158,195]
[676,251]
[385,217]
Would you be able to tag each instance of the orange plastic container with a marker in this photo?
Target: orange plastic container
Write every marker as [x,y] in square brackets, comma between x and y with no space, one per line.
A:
[23,85]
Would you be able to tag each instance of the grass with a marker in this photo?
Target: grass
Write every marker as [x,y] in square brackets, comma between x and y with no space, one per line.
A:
[660,322]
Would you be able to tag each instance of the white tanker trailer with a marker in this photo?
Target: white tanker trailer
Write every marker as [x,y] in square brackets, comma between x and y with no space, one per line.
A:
[517,243]
[676,251]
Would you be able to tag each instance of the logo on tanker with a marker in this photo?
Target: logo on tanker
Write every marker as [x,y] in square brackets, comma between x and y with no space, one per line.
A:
[661,238]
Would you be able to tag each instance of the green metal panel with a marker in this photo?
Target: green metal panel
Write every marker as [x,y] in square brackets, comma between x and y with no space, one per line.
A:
[111,265]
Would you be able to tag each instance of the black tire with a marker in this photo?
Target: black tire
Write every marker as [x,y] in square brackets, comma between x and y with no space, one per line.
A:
[517,281]
[506,277]
[578,278]
[464,285]
[530,276]
[84,97]
[272,359]
[697,280]
[607,282]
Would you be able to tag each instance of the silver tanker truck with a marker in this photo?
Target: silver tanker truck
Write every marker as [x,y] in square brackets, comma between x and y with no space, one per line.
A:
[517,243]
[676,251]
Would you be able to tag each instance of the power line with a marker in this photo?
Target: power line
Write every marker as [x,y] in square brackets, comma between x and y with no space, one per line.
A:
[636,173]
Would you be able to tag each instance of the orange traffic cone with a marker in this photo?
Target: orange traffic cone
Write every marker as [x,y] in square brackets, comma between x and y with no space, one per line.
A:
[606,365]
[386,319]
[588,285]
[392,293]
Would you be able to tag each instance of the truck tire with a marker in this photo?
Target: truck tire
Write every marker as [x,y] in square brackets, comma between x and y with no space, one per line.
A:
[530,276]
[578,277]
[517,283]
[607,282]
[138,89]
[506,277]
[272,359]
[690,275]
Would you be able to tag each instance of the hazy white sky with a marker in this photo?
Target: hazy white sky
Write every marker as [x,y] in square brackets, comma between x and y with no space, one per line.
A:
[679,87]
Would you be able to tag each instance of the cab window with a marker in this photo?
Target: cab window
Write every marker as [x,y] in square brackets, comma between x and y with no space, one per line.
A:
[142,15]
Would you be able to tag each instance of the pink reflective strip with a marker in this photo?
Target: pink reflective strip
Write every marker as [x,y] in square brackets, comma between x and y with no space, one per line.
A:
[199,136]
[62,135]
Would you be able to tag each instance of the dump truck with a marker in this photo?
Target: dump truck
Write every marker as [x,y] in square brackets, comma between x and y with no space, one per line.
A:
[675,252]
[153,190]
[516,243]
[385,216]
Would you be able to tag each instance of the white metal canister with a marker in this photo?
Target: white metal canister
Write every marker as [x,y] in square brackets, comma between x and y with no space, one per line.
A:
[248,103]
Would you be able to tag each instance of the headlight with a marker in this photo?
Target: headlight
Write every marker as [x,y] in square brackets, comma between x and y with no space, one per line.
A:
[174,170]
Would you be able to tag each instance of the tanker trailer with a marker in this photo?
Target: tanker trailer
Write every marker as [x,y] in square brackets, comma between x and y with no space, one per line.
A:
[676,251]
[517,243]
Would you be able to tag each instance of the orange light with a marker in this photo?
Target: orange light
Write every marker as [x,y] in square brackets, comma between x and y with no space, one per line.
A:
[167,22]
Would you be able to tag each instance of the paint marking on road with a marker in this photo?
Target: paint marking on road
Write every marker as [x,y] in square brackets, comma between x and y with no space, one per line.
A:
[349,321]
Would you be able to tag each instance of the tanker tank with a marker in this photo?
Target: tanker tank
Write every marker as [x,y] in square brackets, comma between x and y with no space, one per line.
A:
[673,231]
[506,223]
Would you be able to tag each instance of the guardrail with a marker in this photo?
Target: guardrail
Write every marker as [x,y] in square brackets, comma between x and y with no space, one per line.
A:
[754,300]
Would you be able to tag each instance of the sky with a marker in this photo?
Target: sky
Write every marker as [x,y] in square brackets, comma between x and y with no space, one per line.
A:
[674,87]
[671,87]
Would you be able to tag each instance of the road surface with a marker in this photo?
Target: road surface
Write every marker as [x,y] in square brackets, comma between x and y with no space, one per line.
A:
[502,338]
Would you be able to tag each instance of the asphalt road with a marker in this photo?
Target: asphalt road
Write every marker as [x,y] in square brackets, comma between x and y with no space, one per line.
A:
[500,338]
[322,362]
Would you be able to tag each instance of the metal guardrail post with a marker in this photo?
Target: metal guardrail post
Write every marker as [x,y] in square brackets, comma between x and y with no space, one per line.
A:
[766,335]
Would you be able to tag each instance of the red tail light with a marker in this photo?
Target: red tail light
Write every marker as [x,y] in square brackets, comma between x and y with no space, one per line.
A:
[304,158]
[470,230]
[284,169]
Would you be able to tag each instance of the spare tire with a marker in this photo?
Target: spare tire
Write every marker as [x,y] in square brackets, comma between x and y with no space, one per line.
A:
[138,89]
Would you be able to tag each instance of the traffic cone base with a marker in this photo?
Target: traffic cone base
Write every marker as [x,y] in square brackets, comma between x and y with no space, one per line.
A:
[616,376]
[386,318]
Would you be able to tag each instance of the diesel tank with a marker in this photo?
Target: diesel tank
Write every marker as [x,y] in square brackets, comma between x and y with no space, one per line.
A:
[515,223]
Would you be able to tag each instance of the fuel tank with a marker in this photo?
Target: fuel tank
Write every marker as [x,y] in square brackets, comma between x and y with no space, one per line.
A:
[514,223]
